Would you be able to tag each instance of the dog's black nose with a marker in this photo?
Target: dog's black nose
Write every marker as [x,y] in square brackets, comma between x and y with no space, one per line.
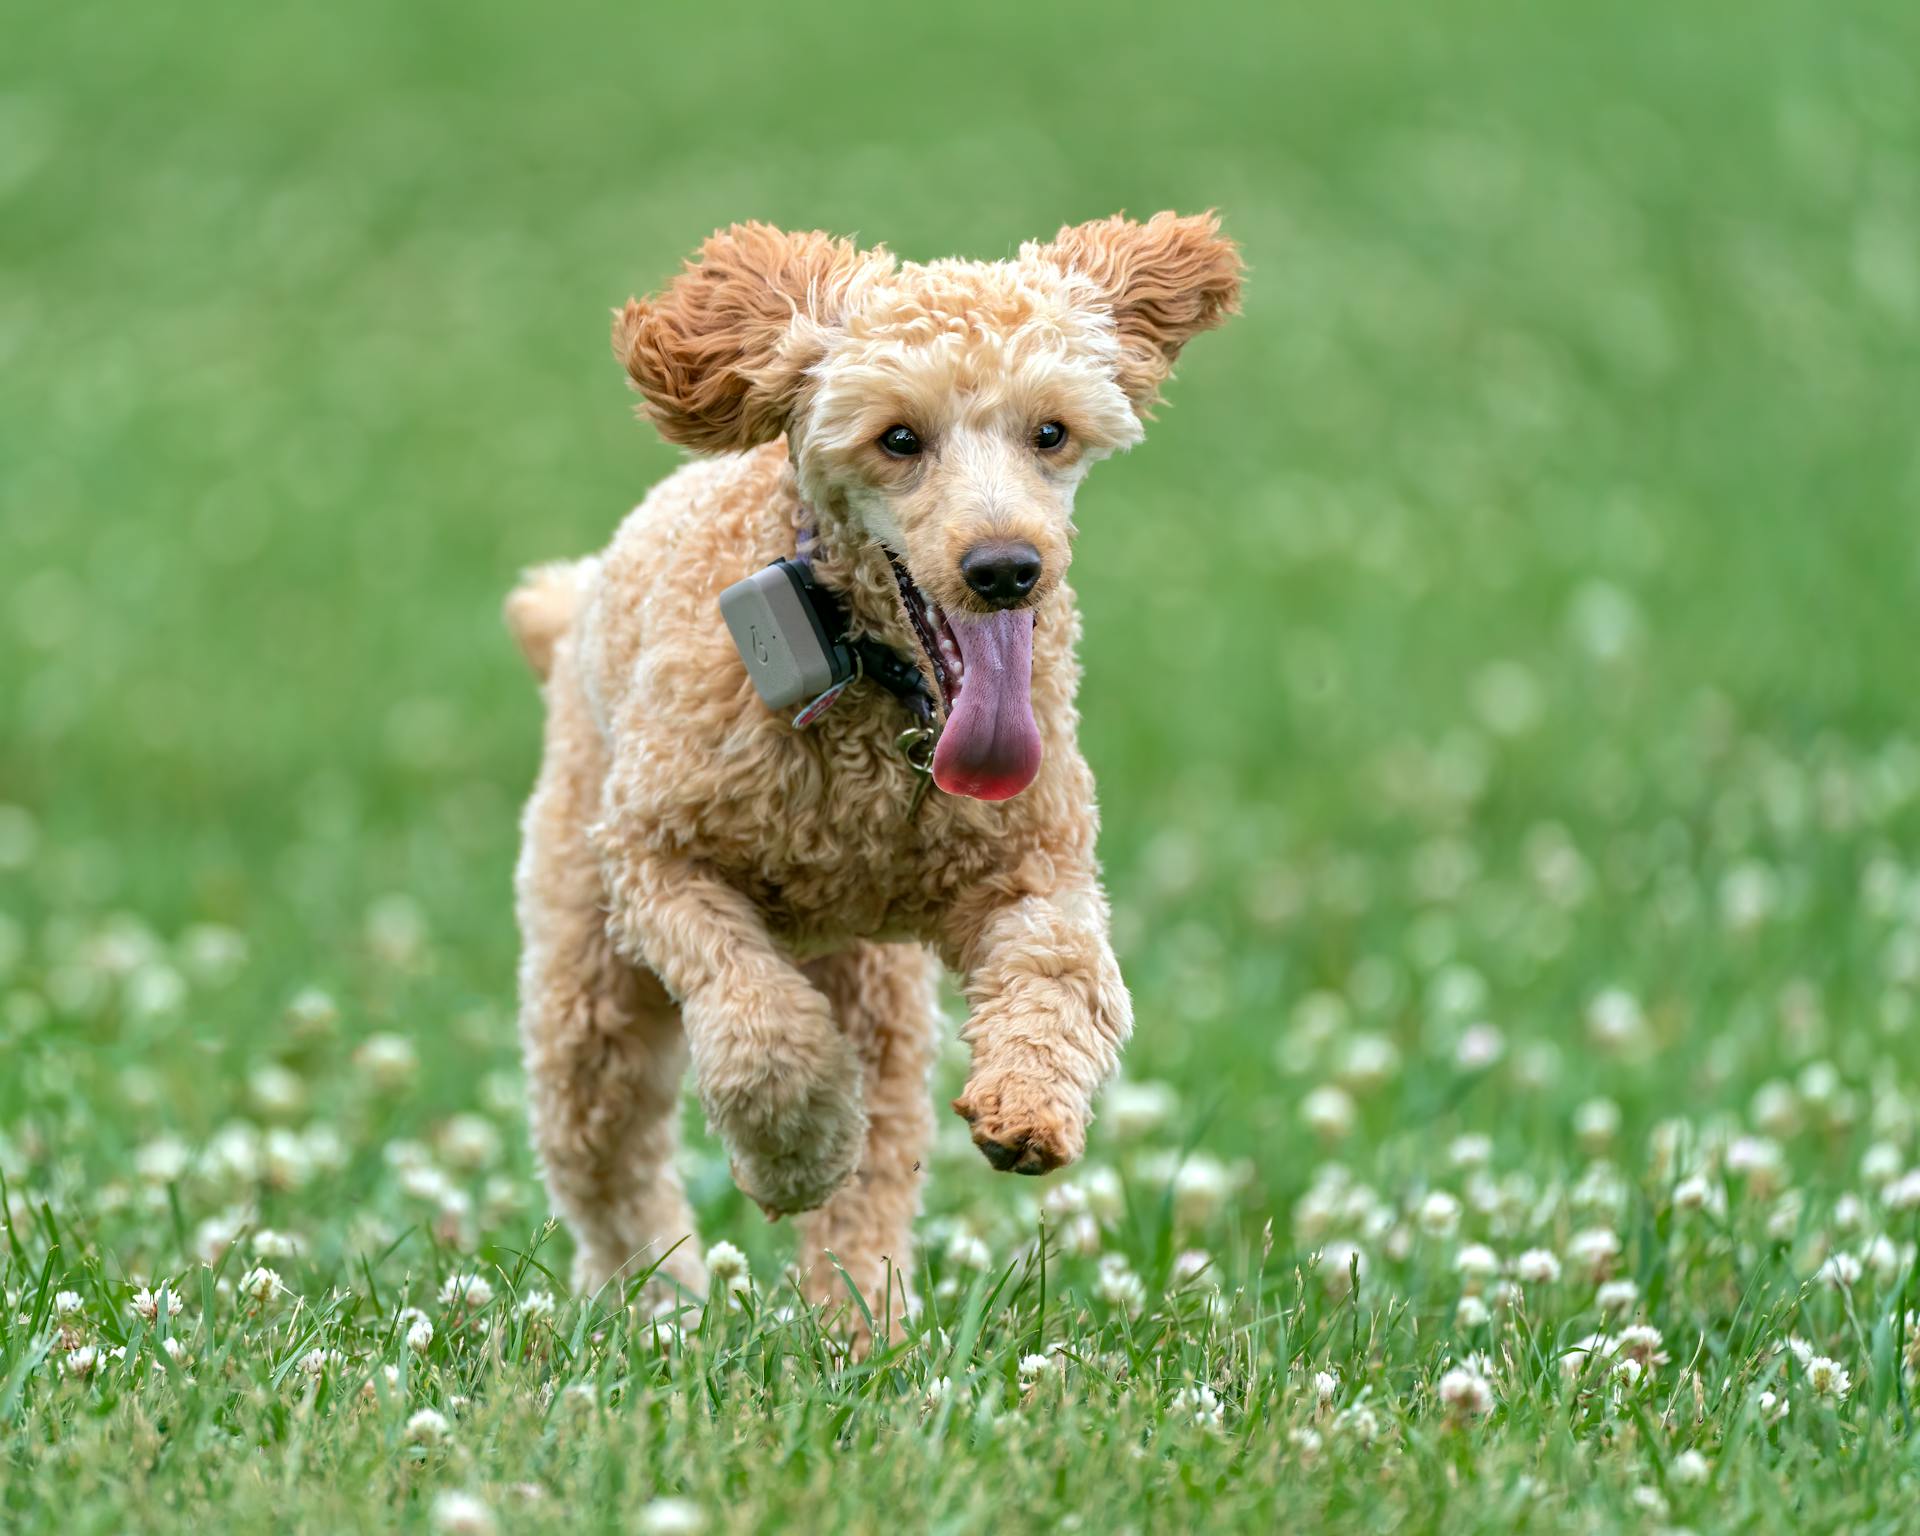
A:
[1001,572]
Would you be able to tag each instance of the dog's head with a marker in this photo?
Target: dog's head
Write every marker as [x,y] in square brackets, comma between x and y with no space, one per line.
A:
[946,412]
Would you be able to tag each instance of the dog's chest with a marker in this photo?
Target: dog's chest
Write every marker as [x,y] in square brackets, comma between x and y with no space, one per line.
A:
[832,831]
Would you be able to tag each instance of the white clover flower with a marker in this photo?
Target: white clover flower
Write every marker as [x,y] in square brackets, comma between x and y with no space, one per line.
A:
[1615,1021]
[1470,1151]
[146,1304]
[1652,1501]
[1760,1161]
[419,1335]
[1595,1125]
[1771,1407]
[311,1012]
[1471,1312]
[284,1159]
[1599,1191]
[1306,1443]
[1466,1393]
[269,1244]
[404,1153]
[1439,1214]
[162,1160]
[1841,1271]
[1106,1196]
[276,1091]
[727,1269]
[175,1350]
[214,1236]
[938,1391]
[471,1291]
[1339,1264]
[1575,1359]
[397,930]
[1200,1188]
[1064,1201]
[1775,1108]
[1190,1264]
[1903,1193]
[1604,620]
[1329,1113]
[672,1517]
[1367,1062]
[387,1061]
[537,1305]
[1749,894]
[1641,1342]
[1081,1234]
[1119,1287]
[1326,1385]
[315,1361]
[1689,1469]
[966,1251]
[1880,1164]
[1481,1046]
[81,1361]
[1476,1263]
[1884,1258]
[1849,1212]
[66,1303]
[1134,1111]
[1593,1251]
[1617,1297]
[1537,1266]
[428,1426]
[469,1142]
[1696,1192]
[233,1155]
[1198,1404]
[461,1514]
[1358,1423]
[1032,1368]
[260,1284]
[1828,1378]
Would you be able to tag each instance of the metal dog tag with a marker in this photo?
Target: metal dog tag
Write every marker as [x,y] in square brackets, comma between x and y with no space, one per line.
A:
[782,642]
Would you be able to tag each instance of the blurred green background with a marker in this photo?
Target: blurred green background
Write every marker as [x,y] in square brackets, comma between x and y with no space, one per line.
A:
[1557,486]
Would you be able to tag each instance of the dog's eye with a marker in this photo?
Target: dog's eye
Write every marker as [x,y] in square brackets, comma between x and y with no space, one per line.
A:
[901,442]
[1049,436]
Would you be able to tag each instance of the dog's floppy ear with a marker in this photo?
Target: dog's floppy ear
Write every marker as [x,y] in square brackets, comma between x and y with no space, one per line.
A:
[721,354]
[1166,280]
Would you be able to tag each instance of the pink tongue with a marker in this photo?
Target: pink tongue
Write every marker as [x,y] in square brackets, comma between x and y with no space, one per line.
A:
[990,747]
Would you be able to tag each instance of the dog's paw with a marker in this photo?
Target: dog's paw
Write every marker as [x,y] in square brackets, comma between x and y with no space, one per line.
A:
[786,1181]
[797,1160]
[782,1086]
[1022,1123]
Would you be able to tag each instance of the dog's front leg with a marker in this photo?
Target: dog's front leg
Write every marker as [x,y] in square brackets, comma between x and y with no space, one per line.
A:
[779,1081]
[1049,1015]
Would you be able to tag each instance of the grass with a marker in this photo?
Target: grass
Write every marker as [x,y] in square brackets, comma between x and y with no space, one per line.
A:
[1499,677]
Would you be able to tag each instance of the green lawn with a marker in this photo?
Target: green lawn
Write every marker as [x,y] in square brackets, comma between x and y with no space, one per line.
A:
[1500,673]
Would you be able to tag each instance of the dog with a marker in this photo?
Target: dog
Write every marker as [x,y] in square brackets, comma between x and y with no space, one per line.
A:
[704,878]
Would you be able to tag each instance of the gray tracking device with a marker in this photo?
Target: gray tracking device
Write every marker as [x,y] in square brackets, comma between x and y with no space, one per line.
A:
[789,651]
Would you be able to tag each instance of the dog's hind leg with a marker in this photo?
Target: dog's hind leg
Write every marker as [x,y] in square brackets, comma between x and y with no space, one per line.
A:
[602,1042]
[885,998]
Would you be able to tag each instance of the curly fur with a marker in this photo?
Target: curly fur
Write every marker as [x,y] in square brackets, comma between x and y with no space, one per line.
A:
[699,880]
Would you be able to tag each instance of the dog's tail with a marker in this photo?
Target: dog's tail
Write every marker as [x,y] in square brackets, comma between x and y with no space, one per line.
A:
[540,610]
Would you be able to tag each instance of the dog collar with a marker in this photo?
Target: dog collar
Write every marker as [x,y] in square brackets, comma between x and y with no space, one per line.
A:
[795,640]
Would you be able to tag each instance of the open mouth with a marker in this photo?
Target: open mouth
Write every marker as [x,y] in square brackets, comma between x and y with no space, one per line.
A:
[989,746]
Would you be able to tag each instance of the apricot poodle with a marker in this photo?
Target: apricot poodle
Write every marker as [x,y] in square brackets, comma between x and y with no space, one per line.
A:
[703,877]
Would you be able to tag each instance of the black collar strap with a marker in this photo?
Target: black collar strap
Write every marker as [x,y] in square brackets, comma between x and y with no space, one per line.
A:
[899,675]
